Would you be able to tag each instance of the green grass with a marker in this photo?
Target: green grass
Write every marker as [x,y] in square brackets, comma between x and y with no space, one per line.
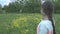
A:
[23,23]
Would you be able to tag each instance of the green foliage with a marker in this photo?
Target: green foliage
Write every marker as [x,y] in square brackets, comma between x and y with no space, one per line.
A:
[57,6]
[29,6]
[32,6]
[23,23]
[0,8]
[19,23]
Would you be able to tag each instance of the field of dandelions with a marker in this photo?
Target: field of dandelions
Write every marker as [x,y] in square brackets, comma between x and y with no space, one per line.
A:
[23,23]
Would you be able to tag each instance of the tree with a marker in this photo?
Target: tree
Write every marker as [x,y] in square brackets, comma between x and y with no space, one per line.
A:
[57,6]
[0,8]
[32,6]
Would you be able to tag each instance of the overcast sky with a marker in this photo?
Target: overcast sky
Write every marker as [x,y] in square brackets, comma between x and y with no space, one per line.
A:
[5,2]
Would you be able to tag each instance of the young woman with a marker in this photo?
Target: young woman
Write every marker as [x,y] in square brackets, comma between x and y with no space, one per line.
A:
[46,26]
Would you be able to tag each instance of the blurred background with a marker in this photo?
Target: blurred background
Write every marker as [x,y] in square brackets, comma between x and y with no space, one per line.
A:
[23,16]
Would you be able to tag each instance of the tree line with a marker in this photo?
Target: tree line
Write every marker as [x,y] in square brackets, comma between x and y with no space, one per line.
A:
[26,6]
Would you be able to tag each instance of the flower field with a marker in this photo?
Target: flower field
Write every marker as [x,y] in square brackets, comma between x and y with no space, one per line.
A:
[23,23]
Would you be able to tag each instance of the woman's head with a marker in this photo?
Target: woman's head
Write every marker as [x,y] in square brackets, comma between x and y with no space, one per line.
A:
[47,8]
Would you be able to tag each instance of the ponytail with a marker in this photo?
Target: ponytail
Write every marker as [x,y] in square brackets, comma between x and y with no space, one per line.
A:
[51,19]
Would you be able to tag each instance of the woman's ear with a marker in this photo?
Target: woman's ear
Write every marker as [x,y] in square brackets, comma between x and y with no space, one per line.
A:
[42,11]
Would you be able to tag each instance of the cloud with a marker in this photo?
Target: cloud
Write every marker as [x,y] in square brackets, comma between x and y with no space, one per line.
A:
[5,2]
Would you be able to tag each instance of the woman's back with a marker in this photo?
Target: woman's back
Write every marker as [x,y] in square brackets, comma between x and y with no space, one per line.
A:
[45,27]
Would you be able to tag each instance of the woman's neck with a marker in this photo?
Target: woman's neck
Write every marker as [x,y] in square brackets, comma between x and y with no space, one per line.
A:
[45,18]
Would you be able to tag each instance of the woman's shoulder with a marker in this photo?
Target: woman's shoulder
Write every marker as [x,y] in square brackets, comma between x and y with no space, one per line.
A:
[45,22]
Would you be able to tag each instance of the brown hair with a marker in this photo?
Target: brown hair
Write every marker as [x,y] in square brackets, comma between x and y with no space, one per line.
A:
[48,8]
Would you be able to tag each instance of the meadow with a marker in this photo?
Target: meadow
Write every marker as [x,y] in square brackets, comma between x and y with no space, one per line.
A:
[23,23]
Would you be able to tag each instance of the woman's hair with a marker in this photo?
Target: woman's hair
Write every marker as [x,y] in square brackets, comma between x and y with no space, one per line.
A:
[48,8]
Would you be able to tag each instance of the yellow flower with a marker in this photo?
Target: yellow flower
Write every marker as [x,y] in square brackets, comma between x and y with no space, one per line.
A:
[18,20]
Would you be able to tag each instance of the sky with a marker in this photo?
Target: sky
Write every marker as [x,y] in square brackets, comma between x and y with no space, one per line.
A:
[5,2]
